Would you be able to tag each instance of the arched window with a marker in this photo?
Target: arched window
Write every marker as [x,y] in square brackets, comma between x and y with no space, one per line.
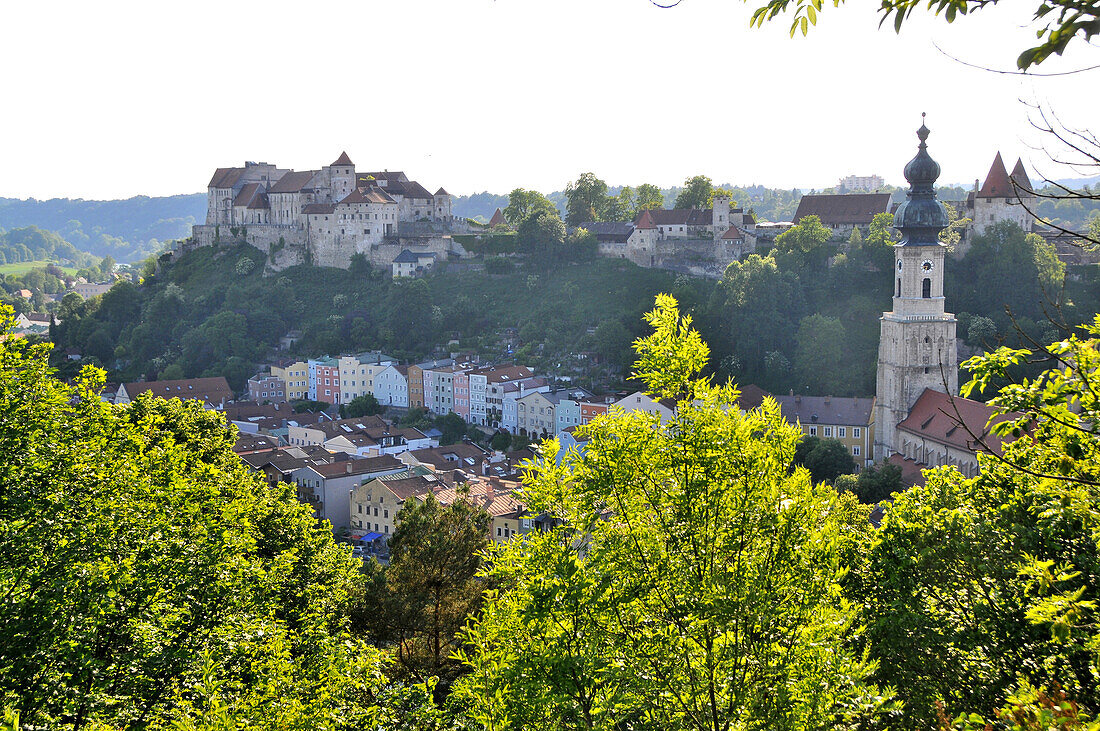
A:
[899,287]
[926,288]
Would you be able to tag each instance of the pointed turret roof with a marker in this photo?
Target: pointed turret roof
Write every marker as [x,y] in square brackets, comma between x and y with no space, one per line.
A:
[645,220]
[342,160]
[997,184]
[1019,175]
[441,191]
[497,219]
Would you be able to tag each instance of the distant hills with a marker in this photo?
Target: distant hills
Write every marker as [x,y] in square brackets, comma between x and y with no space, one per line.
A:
[128,230]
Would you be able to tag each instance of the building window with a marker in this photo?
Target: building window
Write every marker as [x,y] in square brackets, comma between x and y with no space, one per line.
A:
[855,432]
[813,431]
[841,432]
[855,451]
[827,431]
[926,288]
[899,288]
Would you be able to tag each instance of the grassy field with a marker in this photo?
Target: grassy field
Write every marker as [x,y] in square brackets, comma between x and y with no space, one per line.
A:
[25,266]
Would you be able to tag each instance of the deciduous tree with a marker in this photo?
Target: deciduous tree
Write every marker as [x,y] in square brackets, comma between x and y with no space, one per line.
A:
[692,579]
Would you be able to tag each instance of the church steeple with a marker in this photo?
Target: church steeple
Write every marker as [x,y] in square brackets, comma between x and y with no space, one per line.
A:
[917,337]
[919,256]
[921,217]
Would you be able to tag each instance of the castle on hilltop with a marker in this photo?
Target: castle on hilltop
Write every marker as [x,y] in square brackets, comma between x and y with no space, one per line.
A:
[328,215]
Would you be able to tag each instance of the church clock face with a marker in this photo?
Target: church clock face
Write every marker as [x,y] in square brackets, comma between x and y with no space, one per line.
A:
[926,265]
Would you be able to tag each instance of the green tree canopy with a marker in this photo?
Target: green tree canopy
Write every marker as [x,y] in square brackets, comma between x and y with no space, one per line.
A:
[697,193]
[418,603]
[646,197]
[522,204]
[826,459]
[1065,19]
[149,579]
[686,555]
[586,200]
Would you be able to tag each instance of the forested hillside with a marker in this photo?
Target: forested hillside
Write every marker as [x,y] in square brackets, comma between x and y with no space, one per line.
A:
[803,317]
[127,230]
[33,244]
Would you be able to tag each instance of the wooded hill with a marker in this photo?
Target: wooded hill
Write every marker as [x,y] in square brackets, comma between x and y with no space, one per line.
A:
[804,317]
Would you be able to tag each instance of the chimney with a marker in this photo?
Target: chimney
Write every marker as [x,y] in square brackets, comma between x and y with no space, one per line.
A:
[975,185]
[489,492]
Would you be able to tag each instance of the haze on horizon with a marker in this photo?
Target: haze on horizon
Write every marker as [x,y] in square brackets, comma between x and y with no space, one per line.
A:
[143,99]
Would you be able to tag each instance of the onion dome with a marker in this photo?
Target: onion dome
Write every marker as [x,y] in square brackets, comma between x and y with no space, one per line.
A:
[921,217]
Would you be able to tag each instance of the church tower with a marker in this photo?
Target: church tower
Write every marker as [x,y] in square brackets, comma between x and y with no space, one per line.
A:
[916,338]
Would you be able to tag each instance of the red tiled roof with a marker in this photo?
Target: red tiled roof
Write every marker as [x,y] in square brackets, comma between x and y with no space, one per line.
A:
[371,194]
[645,220]
[251,195]
[293,182]
[911,472]
[212,390]
[751,396]
[342,160]
[934,417]
[1020,176]
[732,234]
[997,184]
[852,209]
[225,177]
[497,219]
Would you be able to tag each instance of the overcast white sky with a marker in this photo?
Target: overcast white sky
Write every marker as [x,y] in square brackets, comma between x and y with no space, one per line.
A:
[113,99]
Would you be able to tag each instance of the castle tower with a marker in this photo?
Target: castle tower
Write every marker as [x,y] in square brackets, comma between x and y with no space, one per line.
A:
[720,215]
[341,174]
[917,337]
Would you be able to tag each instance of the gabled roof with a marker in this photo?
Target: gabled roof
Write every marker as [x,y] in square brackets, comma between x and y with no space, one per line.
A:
[844,411]
[342,160]
[342,468]
[851,209]
[733,234]
[933,417]
[997,184]
[251,196]
[441,191]
[393,176]
[405,257]
[368,194]
[1019,175]
[293,182]
[497,219]
[405,487]
[211,390]
[497,374]
[645,220]
[751,396]
[225,177]
[609,231]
